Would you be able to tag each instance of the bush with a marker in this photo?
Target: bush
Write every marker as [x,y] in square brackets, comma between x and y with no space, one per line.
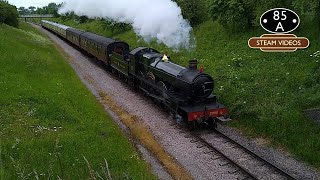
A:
[193,10]
[307,8]
[115,27]
[8,14]
[234,15]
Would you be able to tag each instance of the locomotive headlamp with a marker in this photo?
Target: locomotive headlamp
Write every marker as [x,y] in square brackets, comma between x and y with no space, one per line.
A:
[201,69]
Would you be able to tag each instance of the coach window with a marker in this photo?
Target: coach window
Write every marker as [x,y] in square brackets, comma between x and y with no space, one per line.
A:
[118,50]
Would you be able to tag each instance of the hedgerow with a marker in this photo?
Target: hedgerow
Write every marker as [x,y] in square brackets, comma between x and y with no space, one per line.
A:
[8,14]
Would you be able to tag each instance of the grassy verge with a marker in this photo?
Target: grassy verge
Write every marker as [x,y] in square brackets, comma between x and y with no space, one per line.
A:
[142,133]
[51,126]
[265,92]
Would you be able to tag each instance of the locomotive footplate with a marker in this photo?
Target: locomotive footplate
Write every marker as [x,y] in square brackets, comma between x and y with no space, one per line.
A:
[223,119]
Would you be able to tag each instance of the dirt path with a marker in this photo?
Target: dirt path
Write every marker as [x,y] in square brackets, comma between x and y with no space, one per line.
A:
[200,165]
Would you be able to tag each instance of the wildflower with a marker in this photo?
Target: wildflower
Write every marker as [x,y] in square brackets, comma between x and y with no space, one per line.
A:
[17,141]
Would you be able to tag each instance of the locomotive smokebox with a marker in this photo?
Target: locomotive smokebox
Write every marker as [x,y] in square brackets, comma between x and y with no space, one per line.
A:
[193,64]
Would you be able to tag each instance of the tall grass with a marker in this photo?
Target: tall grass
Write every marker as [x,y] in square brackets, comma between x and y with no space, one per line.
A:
[49,121]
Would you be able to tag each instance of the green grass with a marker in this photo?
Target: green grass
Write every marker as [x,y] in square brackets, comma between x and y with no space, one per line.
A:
[49,121]
[266,92]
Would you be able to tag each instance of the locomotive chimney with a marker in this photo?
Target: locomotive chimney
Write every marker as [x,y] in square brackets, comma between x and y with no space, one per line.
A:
[193,64]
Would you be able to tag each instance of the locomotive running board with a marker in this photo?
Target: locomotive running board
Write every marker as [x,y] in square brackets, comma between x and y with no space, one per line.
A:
[223,119]
[151,95]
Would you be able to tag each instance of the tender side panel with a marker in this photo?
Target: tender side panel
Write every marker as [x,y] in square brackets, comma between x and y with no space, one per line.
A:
[119,58]
[119,63]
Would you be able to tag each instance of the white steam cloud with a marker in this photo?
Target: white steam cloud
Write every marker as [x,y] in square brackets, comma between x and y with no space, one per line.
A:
[150,19]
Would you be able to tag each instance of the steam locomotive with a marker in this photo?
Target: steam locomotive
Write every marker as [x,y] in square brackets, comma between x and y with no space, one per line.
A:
[186,92]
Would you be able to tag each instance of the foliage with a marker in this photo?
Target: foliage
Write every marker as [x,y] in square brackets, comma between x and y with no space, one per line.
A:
[51,8]
[8,14]
[23,11]
[83,19]
[308,9]
[304,7]
[193,10]
[51,125]
[116,27]
[234,15]
[68,16]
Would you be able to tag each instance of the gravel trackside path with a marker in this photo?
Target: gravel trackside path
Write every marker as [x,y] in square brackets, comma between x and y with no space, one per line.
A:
[200,164]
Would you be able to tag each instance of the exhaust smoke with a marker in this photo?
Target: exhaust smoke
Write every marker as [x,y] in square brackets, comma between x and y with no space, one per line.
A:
[151,19]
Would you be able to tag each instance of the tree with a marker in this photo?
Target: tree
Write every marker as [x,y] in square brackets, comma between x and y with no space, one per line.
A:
[53,9]
[32,8]
[8,14]
[22,10]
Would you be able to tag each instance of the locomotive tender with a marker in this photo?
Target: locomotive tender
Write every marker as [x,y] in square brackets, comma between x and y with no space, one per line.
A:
[185,92]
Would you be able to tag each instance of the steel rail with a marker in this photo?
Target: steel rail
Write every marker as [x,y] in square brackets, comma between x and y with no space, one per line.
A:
[241,168]
[273,166]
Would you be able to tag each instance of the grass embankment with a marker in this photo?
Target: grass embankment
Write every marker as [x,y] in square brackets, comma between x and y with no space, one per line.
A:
[50,124]
[265,92]
[141,132]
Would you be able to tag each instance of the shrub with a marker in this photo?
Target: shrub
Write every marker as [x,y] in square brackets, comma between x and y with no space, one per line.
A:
[234,15]
[8,14]
[115,27]
[307,8]
[193,10]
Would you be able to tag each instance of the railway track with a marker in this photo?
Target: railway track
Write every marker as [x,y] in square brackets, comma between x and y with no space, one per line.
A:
[244,163]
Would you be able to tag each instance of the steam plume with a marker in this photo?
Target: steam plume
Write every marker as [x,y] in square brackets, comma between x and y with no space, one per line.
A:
[150,19]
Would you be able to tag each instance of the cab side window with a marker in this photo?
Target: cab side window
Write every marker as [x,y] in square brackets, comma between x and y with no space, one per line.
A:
[118,50]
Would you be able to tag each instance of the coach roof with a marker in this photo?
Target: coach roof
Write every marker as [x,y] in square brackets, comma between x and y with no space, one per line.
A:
[97,38]
[75,31]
